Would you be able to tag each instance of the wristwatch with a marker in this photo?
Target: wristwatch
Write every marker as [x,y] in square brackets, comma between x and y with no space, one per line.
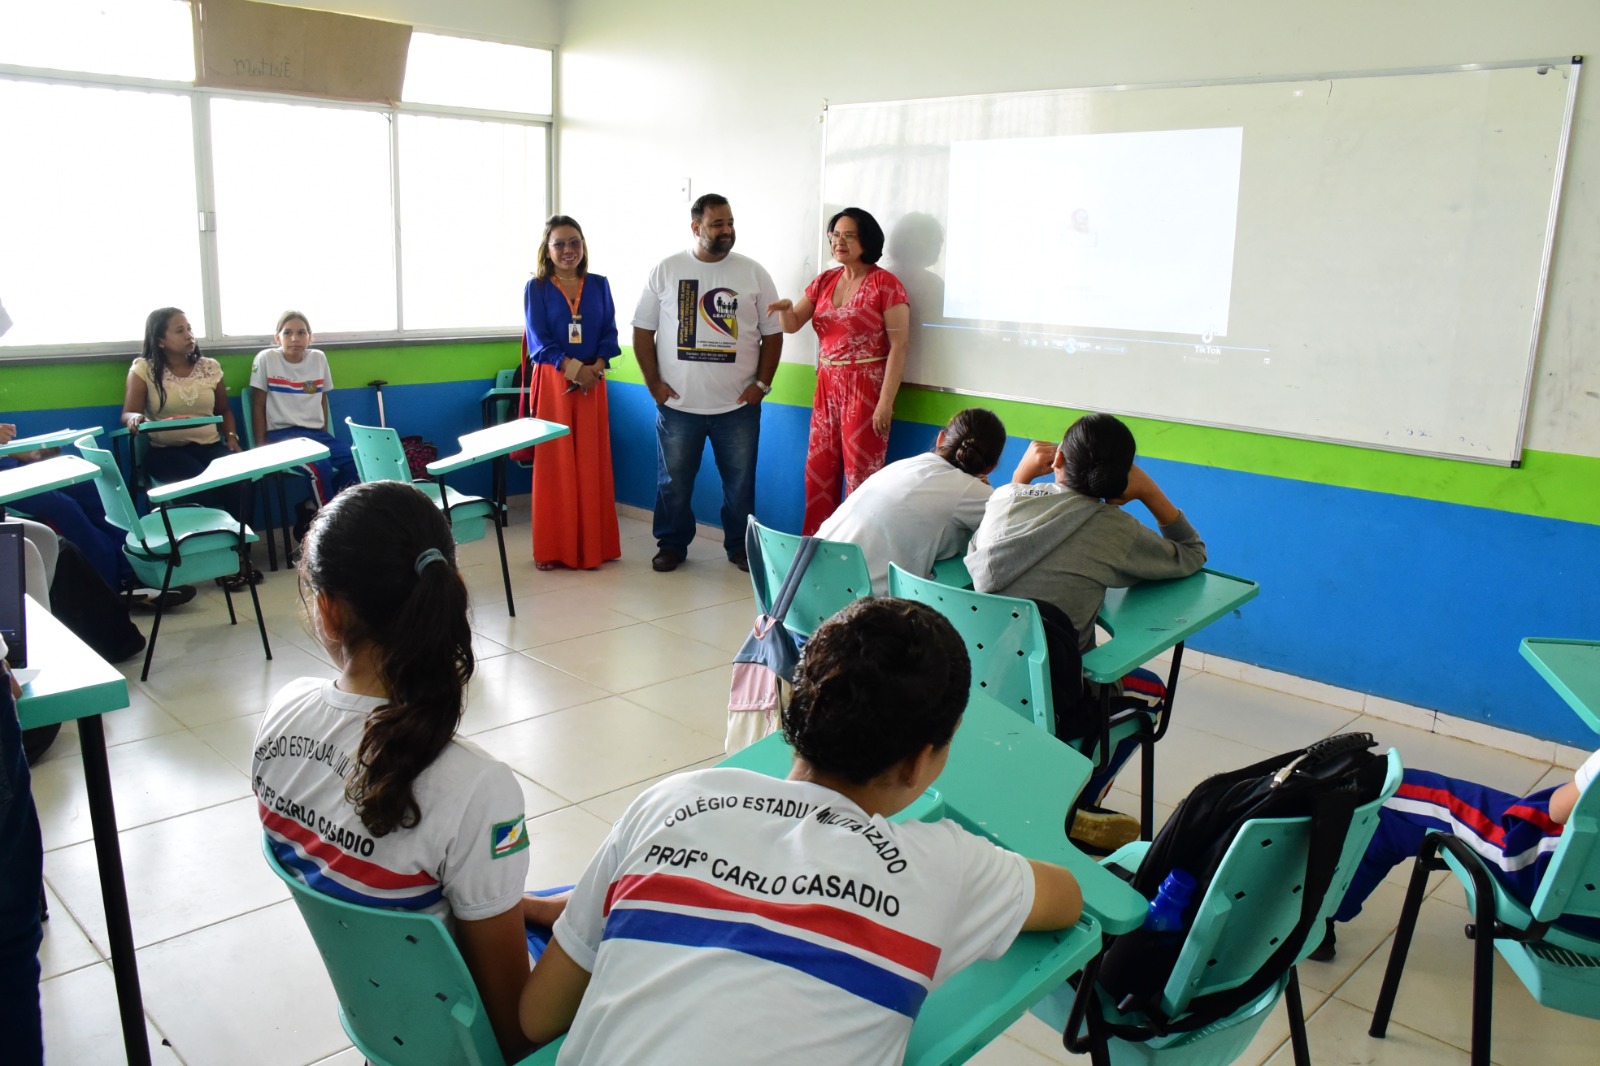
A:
[766,390]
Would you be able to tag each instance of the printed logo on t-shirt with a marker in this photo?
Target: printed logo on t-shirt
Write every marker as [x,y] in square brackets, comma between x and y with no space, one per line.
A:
[719,310]
[508,838]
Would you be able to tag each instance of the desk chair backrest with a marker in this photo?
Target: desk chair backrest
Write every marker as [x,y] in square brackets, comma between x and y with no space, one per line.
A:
[1004,638]
[506,379]
[247,413]
[837,575]
[378,453]
[1571,883]
[114,496]
[1254,901]
[406,997]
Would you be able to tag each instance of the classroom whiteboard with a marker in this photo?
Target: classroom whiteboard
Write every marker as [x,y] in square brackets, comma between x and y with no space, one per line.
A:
[1356,258]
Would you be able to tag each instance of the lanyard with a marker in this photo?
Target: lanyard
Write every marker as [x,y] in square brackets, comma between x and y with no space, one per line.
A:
[572,301]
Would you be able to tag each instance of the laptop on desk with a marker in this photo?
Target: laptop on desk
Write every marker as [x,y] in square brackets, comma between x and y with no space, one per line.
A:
[13,616]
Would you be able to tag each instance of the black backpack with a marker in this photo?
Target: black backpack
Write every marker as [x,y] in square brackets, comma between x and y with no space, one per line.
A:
[1326,781]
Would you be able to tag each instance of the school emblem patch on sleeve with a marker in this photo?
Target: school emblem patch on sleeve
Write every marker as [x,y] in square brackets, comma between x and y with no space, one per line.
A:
[508,838]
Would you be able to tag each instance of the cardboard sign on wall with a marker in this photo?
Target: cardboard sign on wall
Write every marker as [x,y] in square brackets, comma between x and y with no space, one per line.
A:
[243,45]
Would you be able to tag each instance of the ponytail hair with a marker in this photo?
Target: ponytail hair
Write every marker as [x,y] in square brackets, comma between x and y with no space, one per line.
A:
[1097,455]
[973,441]
[385,554]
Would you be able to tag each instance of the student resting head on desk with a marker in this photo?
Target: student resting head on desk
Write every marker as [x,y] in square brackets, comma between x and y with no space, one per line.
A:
[919,510]
[724,898]
[1062,544]
[363,788]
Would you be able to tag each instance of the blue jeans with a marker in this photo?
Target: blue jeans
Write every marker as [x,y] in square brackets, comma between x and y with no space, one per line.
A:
[680,442]
[77,514]
[330,476]
[21,875]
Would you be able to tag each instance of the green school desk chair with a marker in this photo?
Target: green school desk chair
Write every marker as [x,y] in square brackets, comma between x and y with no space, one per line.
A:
[282,522]
[175,544]
[1560,969]
[1004,639]
[500,404]
[379,456]
[406,997]
[1254,902]
[837,575]
[139,445]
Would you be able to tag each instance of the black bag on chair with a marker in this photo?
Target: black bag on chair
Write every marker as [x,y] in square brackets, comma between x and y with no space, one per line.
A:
[81,601]
[1326,781]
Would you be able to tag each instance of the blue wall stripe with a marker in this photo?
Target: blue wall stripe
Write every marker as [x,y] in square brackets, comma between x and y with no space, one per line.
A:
[1414,600]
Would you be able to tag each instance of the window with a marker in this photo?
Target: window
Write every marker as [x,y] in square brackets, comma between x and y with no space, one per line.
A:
[141,191]
[134,38]
[100,224]
[303,215]
[472,208]
[459,72]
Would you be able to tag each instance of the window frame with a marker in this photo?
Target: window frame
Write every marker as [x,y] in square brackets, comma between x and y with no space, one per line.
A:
[205,209]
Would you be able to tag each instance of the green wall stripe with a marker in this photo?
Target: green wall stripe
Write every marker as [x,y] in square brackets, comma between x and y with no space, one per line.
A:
[1548,484]
[44,386]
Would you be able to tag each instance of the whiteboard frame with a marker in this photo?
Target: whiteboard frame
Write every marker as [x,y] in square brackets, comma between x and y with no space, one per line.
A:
[1573,62]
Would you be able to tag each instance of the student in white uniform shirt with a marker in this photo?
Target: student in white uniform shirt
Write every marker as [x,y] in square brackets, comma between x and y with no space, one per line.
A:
[732,917]
[919,510]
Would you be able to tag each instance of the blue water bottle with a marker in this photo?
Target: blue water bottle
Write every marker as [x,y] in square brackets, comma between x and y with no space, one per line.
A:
[1166,910]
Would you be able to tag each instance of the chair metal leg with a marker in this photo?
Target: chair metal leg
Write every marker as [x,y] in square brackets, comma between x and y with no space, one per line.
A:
[1482,934]
[505,569]
[1297,1020]
[227,596]
[1425,864]
[266,509]
[285,523]
[255,601]
[1147,784]
[155,626]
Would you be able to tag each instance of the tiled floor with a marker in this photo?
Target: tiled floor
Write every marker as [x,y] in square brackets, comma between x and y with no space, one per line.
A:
[603,682]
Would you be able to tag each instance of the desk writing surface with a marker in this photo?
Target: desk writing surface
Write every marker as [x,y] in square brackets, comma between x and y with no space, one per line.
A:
[1572,667]
[251,464]
[1008,780]
[73,681]
[1149,618]
[503,439]
[54,439]
[29,479]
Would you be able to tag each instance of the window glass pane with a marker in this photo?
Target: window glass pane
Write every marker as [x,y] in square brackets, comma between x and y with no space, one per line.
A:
[472,206]
[101,225]
[304,216]
[135,38]
[460,72]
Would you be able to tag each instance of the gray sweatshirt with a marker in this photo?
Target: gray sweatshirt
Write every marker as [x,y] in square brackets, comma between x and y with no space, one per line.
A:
[1046,542]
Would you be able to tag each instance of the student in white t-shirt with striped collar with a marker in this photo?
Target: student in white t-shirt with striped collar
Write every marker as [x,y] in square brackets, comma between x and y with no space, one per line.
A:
[289,398]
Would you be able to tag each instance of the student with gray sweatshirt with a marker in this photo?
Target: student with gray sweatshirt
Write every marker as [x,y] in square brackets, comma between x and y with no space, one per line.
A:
[1065,542]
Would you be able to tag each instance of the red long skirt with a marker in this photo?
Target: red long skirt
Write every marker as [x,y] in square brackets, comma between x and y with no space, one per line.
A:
[574,495]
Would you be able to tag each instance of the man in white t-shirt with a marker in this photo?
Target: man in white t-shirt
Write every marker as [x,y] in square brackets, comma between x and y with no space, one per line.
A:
[708,352]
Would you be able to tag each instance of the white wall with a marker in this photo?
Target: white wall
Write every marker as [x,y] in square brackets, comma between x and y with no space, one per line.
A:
[657,90]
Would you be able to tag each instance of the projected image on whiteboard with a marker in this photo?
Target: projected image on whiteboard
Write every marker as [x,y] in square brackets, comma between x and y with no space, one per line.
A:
[1126,231]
